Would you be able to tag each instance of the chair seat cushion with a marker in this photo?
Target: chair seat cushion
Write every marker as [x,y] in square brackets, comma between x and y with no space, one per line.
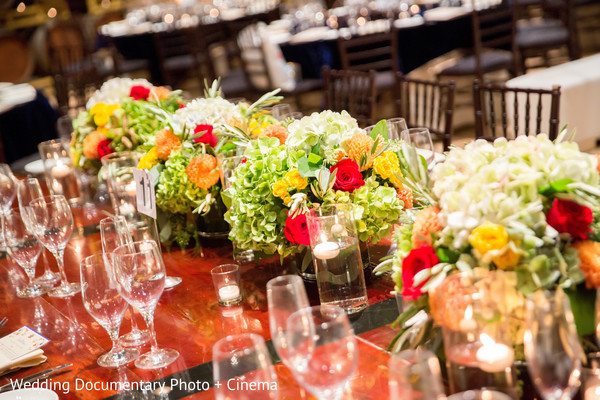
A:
[539,36]
[494,60]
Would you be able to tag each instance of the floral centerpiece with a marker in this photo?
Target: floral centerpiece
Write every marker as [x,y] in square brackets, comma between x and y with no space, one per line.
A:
[527,209]
[123,114]
[324,158]
[183,158]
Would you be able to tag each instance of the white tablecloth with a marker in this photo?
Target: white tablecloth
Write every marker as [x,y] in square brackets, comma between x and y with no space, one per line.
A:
[580,96]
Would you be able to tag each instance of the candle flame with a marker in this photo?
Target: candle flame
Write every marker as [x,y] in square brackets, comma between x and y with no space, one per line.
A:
[469,312]
[486,339]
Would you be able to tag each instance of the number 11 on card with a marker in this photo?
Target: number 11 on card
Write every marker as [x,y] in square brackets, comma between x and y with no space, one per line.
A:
[145,198]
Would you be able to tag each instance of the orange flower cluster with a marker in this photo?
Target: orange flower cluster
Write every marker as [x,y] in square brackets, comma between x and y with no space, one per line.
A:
[589,262]
[166,142]
[360,145]
[406,196]
[277,131]
[90,144]
[426,223]
[202,170]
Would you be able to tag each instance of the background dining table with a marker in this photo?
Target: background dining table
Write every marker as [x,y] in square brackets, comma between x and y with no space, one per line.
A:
[188,319]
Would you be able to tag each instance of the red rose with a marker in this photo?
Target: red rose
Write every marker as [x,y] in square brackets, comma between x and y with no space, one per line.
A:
[244,160]
[569,217]
[181,105]
[348,176]
[296,230]
[208,138]
[415,261]
[139,92]
[104,148]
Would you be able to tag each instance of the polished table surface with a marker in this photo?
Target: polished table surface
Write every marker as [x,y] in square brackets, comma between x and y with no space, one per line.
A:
[188,319]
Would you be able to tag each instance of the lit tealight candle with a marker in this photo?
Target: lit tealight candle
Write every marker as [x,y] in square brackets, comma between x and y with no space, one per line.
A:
[60,170]
[229,292]
[593,389]
[326,250]
[131,189]
[126,209]
[468,324]
[492,356]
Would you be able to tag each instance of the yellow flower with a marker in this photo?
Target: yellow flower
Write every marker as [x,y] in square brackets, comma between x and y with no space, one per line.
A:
[102,112]
[149,160]
[287,200]
[488,236]
[387,166]
[507,260]
[294,179]
[280,189]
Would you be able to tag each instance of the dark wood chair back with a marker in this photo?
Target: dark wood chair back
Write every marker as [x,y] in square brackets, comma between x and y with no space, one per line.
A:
[502,111]
[177,51]
[378,52]
[428,104]
[353,91]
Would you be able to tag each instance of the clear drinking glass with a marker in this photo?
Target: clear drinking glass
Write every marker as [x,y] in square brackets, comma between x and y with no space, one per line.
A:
[240,362]
[322,350]
[122,190]
[102,301]
[552,348]
[114,233]
[421,139]
[336,256]
[140,272]
[24,248]
[285,295]
[415,374]
[226,279]
[52,224]
[29,189]
[60,174]
[395,128]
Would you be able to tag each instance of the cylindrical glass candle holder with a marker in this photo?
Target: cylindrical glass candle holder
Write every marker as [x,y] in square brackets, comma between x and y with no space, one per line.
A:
[61,177]
[118,170]
[227,281]
[336,256]
[477,333]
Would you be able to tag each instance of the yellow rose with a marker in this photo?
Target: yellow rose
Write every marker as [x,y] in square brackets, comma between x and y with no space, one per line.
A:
[149,160]
[287,200]
[294,179]
[488,236]
[98,108]
[280,189]
[507,260]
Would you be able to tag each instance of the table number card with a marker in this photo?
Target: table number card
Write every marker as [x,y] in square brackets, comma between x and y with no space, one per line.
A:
[145,197]
[21,342]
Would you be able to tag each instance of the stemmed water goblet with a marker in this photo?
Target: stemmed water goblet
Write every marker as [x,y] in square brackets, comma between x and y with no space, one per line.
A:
[322,350]
[24,248]
[102,301]
[29,189]
[114,233]
[52,224]
[552,348]
[285,295]
[421,139]
[140,273]
[8,191]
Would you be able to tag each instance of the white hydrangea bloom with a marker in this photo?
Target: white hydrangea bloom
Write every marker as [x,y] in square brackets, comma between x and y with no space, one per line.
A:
[204,111]
[115,90]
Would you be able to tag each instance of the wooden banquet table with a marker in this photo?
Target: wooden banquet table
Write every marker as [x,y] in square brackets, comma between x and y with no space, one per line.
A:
[187,319]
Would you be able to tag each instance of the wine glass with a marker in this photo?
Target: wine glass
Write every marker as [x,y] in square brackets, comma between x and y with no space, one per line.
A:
[29,189]
[285,295]
[140,272]
[421,139]
[552,347]
[24,248]
[114,233]
[395,128]
[102,300]
[242,361]
[52,224]
[322,350]
[7,193]
[415,374]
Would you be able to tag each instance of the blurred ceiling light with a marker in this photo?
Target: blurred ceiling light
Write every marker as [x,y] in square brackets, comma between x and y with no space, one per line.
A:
[21,7]
[414,9]
[360,21]
[105,4]
[52,12]
[169,18]
[214,13]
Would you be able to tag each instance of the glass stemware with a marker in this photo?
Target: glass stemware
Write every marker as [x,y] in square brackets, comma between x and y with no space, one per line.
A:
[322,350]
[114,233]
[415,374]
[140,272]
[552,348]
[242,361]
[24,248]
[421,139]
[285,295]
[29,189]
[395,128]
[103,302]
[8,191]
[52,224]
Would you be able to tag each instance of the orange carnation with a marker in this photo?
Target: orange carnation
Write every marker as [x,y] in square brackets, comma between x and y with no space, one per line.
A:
[161,93]
[277,131]
[598,164]
[426,223]
[360,146]
[166,142]
[589,262]
[202,170]
[406,196]
[90,144]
